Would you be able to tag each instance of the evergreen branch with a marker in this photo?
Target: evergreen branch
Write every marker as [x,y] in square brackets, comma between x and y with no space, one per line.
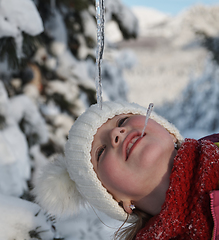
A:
[8,50]
[211,44]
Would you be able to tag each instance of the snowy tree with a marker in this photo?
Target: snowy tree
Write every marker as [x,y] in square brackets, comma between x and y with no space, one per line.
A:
[47,72]
[22,219]
[56,68]
[212,44]
[196,109]
[18,113]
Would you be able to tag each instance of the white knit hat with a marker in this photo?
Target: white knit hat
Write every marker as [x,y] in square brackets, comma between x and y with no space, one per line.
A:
[71,181]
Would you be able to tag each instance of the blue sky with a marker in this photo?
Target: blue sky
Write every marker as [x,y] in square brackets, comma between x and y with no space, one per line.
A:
[168,6]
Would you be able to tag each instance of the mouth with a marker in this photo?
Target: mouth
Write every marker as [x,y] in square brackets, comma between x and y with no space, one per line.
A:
[132,143]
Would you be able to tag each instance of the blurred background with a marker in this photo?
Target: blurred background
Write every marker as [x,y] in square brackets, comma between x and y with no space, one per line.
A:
[165,53]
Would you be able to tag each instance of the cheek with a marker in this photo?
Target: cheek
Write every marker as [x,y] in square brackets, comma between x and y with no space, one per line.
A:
[108,171]
[137,121]
[158,130]
[117,179]
[149,157]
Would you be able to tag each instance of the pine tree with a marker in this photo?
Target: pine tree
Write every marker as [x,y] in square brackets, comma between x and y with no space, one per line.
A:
[47,72]
[196,108]
[55,66]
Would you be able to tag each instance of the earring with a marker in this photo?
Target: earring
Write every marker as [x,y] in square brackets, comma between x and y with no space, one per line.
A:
[175,145]
[132,206]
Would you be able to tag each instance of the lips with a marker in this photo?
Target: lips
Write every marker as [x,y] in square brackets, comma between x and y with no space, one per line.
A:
[130,143]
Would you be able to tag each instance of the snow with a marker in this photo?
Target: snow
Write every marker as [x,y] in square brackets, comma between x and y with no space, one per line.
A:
[89,25]
[162,72]
[21,107]
[165,64]
[149,17]
[189,111]
[168,54]
[175,71]
[14,161]
[180,29]
[126,18]
[63,88]
[15,167]
[113,33]
[88,225]
[55,27]
[19,217]
[15,18]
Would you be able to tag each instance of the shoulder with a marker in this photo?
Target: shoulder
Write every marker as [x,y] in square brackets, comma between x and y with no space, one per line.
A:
[213,138]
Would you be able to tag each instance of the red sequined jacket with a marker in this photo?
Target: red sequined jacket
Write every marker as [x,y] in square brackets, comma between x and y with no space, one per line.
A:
[188,209]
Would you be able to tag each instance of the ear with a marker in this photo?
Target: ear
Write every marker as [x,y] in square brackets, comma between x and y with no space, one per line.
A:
[55,191]
[126,205]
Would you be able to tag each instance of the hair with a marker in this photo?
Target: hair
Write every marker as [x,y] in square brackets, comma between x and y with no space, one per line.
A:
[130,232]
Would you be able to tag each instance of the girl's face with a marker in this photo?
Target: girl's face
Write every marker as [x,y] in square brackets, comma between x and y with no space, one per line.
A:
[129,167]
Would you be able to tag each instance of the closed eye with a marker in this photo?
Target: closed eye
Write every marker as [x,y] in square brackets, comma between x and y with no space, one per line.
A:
[121,121]
[100,152]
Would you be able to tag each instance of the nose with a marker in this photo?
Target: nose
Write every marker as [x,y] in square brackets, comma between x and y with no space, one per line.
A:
[117,135]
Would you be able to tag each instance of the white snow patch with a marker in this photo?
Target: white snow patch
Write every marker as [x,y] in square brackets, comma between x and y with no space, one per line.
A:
[14,161]
[18,218]
[149,17]
[15,18]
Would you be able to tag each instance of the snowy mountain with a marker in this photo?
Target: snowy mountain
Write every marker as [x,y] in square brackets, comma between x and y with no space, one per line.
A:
[184,25]
[149,18]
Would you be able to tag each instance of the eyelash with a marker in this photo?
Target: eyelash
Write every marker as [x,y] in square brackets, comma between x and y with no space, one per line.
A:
[121,121]
[99,152]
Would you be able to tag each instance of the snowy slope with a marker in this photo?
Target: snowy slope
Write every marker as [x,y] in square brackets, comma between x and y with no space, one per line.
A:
[170,56]
[149,17]
[184,25]
[168,52]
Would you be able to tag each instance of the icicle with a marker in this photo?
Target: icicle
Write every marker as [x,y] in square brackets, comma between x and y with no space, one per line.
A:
[100,10]
[149,110]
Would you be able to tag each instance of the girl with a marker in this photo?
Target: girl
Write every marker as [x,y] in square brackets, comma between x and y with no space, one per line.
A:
[158,182]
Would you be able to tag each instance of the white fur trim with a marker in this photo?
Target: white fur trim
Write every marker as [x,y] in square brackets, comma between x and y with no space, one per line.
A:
[55,191]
